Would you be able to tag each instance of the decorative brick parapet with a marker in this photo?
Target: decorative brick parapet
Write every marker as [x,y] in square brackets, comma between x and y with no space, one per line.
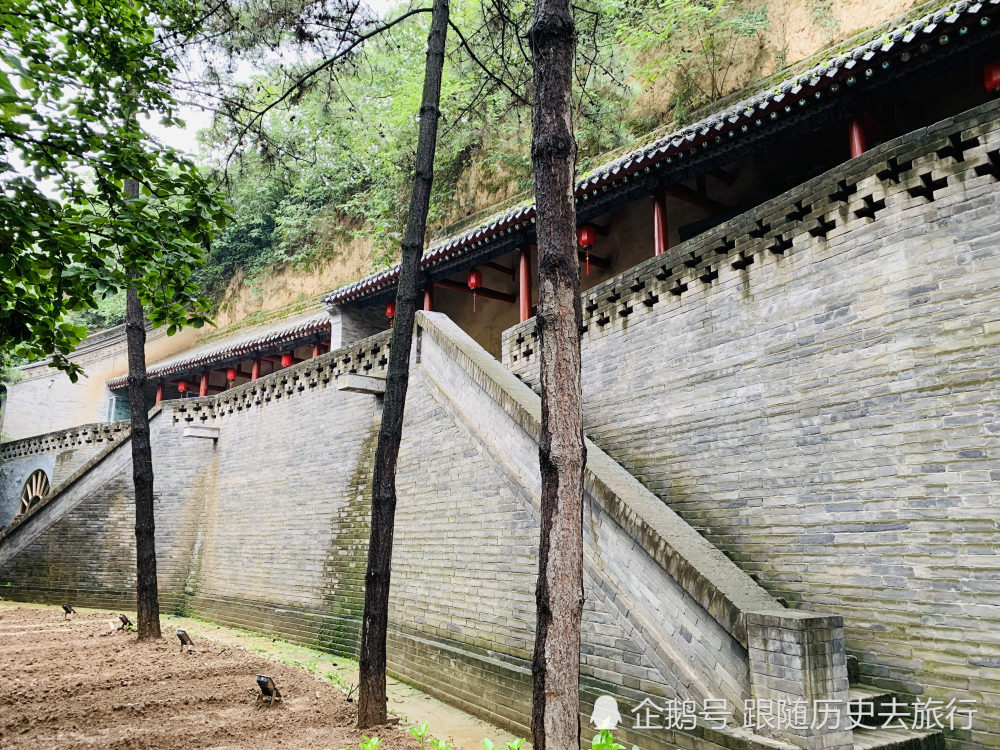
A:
[369,357]
[798,659]
[921,167]
[102,432]
[58,454]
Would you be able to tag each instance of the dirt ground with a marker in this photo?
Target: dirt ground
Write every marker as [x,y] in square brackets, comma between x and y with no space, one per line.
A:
[464,731]
[75,684]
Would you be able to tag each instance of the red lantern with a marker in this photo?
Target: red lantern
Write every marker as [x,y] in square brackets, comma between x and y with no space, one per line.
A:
[231,373]
[286,360]
[587,237]
[390,311]
[182,386]
[991,76]
[475,282]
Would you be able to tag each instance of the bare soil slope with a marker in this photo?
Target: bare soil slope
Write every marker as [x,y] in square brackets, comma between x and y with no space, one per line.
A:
[76,684]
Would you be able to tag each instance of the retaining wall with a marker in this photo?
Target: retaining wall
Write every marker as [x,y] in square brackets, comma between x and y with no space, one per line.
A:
[58,454]
[813,386]
[266,528]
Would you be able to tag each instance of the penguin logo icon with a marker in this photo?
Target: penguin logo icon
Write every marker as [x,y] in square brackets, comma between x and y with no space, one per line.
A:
[605,715]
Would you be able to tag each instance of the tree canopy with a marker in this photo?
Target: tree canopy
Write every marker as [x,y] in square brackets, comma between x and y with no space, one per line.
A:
[76,77]
[331,163]
[327,163]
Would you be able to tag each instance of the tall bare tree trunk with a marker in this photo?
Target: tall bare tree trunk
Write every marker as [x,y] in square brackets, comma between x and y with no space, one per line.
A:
[371,695]
[555,716]
[147,599]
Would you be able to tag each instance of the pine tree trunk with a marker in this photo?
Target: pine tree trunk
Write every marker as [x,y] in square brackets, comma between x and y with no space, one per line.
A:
[147,599]
[374,627]
[555,716]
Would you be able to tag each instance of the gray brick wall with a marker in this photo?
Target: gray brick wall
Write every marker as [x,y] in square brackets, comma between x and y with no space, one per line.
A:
[348,325]
[266,528]
[823,415]
[13,475]
[58,454]
[665,613]
[827,414]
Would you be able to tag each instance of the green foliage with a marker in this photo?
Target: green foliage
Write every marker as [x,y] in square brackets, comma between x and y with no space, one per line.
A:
[337,680]
[367,743]
[354,141]
[604,740]
[822,15]
[420,733]
[697,43]
[74,77]
[352,177]
[108,311]
[247,242]
[9,374]
[512,745]
[334,163]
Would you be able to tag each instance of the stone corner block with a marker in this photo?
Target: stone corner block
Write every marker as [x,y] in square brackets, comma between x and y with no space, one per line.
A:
[201,431]
[361,384]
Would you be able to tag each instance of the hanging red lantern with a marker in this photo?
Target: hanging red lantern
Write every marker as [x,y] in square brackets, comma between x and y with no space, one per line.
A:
[587,236]
[390,311]
[475,282]
[286,360]
[182,386]
[991,76]
[231,374]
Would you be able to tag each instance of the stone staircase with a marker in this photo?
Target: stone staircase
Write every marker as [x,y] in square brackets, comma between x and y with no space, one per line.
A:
[873,703]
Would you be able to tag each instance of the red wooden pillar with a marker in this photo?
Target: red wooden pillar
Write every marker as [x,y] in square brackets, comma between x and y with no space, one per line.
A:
[429,297]
[858,138]
[316,350]
[203,388]
[661,240]
[159,392]
[524,282]
[255,369]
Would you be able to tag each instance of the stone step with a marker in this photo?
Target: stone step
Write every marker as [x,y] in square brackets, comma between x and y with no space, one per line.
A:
[869,701]
[897,739]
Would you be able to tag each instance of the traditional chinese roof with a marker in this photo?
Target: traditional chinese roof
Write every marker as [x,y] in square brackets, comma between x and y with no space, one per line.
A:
[789,101]
[283,336]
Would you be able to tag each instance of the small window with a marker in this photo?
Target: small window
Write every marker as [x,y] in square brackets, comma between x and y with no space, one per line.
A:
[119,409]
[35,490]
